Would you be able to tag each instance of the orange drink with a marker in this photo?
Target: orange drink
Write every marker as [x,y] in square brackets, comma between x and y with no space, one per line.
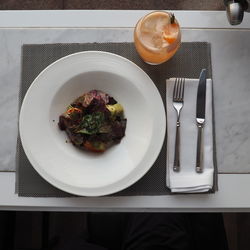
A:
[157,37]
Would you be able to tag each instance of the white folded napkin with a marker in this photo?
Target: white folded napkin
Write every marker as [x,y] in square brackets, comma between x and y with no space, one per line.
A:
[187,180]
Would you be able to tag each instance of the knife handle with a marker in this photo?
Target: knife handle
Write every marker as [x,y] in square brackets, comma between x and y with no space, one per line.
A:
[176,167]
[199,152]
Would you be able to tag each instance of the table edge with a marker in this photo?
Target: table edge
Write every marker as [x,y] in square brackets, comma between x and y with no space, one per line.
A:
[235,185]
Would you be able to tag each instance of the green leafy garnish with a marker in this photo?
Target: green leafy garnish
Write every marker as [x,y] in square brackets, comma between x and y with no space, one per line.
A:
[91,123]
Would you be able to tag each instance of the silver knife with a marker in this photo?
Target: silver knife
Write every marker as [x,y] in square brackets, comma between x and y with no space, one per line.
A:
[200,119]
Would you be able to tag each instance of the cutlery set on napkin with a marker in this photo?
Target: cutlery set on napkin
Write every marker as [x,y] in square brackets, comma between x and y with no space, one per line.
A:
[190,166]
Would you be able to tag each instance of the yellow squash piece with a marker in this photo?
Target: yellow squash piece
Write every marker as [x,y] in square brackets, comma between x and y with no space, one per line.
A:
[115,110]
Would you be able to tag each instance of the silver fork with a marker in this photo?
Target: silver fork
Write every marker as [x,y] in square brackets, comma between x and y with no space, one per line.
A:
[178,95]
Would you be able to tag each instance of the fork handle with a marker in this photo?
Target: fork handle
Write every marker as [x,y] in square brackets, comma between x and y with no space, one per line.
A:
[176,167]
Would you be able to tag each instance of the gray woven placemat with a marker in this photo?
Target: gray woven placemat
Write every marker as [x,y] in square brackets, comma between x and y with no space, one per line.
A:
[188,62]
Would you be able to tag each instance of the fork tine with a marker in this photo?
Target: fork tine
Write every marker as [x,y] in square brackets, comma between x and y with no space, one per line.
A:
[175,87]
[183,87]
[178,89]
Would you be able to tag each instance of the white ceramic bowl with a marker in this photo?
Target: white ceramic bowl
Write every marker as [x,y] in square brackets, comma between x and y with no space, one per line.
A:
[85,173]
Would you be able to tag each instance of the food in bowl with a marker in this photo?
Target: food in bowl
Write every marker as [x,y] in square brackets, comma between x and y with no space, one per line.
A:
[94,121]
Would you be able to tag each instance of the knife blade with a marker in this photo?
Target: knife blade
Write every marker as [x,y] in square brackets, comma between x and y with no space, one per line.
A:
[200,118]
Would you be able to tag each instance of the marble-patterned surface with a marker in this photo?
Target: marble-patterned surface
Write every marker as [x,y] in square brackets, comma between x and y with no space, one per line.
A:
[231,74]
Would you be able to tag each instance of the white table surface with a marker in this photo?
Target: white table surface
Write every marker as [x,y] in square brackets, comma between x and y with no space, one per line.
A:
[230,63]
